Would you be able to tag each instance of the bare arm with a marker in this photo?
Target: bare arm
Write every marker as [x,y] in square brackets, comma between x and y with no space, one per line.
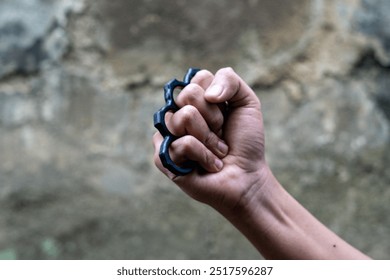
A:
[281,228]
[238,181]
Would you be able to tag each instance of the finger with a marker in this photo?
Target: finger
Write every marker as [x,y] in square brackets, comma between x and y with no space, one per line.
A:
[203,78]
[227,86]
[157,140]
[189,121]
[184,149]
[189,148]
[193,94]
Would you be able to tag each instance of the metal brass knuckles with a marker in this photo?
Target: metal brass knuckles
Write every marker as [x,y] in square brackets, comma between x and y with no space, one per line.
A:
[159,123]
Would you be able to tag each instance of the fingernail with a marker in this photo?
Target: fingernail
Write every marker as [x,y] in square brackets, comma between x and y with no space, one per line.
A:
[223,148]
[218,164]
[214,91]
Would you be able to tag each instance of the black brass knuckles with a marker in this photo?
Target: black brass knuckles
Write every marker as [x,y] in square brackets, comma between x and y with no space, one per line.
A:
[159,123]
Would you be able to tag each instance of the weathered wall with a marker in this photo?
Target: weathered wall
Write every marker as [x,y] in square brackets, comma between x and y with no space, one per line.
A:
[80,80]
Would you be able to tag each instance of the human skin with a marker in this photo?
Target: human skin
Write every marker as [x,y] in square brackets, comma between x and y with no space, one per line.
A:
[234,177]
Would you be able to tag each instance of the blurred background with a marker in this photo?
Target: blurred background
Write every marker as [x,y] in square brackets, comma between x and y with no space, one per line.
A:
[81,79]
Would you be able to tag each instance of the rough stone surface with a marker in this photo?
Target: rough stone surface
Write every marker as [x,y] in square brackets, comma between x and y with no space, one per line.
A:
[373,21]
[31,33]
[80,81]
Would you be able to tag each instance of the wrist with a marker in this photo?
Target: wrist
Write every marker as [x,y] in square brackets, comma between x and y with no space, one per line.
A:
[260,212]
[256,192]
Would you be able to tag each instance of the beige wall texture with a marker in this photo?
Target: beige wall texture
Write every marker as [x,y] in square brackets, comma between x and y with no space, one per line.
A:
[81,79]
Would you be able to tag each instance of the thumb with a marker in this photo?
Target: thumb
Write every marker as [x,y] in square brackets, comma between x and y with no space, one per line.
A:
[227,86]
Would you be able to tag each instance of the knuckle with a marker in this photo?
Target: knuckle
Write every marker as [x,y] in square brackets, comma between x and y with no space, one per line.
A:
[216,122]
[185,145]
[208,158]
[181,148]
[227,71]
[211,140]
[189,113]
[190,93]
[204,74]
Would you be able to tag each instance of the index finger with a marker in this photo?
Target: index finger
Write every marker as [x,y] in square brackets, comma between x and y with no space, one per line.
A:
[203,78]
[227,86]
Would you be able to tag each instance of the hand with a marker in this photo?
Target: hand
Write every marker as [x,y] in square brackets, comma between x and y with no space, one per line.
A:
[235,179]
[230,148]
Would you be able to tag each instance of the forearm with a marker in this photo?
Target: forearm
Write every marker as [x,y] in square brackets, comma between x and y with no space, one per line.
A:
[280,228]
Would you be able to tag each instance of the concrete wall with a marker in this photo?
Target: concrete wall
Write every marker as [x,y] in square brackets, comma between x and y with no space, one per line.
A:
[80,81]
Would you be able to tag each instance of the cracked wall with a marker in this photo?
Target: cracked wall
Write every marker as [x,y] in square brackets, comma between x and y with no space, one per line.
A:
[80,81]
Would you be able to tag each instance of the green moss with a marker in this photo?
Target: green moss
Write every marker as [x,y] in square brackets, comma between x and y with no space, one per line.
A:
[8,254]
[50,248]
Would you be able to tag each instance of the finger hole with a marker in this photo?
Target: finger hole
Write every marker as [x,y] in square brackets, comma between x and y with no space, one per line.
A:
[176,93]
